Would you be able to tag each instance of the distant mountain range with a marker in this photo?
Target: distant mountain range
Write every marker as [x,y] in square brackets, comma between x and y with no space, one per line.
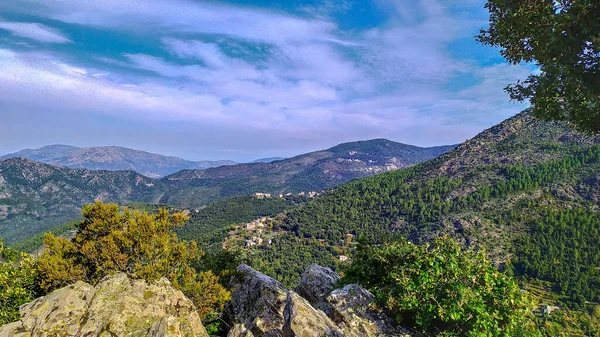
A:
[113,158]
[35,196]
[308,172]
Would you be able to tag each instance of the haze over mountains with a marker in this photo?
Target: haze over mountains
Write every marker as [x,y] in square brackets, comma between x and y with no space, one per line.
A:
[113,158]
[35,196]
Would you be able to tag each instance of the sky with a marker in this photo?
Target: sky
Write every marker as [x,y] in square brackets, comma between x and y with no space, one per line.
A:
[246,79]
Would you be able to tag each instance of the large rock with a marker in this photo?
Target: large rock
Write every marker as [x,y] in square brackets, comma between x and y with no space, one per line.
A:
[257,301]
[117,306]
[316,283]
[352,310]
[263,306]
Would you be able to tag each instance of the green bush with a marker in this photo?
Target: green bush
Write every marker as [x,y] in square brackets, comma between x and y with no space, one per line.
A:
[17,282]
[442,290]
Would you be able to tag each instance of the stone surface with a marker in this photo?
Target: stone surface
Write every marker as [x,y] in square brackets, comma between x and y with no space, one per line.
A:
[351,310]
[257,301]
[239,330]
[266,308]
[117,306]
[302,320]
[316,283]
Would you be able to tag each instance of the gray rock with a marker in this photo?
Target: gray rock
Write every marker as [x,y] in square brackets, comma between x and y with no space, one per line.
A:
[266,308]
[302,320]
[316,283]
[257,301]
[117,306]
[352,311]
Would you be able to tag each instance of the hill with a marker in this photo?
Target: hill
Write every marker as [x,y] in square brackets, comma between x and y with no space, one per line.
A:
[308,172]
[526,191]
[35,197]
[113,158]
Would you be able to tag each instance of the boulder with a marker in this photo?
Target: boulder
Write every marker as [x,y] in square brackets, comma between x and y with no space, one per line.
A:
[316,283]
[263,306]
[352,310]
[257,301]
[117,306]
[302,320]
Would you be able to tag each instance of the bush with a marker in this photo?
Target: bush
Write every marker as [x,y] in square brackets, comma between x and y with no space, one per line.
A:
[441,290]
[17,282]
[110,239]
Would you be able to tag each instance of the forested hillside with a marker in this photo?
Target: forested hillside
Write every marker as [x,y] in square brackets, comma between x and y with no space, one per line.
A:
[526,191]
[35,197]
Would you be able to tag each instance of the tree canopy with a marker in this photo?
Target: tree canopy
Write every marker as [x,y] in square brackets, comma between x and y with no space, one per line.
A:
[442,290]
[112,239]
[563,39]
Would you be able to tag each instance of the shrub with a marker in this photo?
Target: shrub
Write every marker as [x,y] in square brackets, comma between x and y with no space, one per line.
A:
[442,290]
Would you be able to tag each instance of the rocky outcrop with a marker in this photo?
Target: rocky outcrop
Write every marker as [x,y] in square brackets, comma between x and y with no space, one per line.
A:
[117,306]
[316,283]
[261,306]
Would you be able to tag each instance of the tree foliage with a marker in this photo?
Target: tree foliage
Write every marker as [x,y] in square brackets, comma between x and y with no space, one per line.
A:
[563,39]
[110,239]
[17,282]
[442,290]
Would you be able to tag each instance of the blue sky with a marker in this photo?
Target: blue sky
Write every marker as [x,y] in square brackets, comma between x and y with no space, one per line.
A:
[246,79]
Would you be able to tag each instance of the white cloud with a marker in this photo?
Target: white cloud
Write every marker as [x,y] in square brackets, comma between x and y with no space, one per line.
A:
[310,82]
[34,31]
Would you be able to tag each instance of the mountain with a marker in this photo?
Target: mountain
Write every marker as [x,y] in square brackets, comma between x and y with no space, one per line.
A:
[35,197]
[528,192]
[308,172]
[267,160]
[113,158]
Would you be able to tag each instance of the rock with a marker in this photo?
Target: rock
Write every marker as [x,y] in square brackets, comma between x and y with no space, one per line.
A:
[302,320]
[117,306]
[239,330]
[266,308]
[316,283]
[352,312]
[257,301]
[15,329]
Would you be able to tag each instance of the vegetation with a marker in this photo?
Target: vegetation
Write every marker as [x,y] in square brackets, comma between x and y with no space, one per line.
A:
[36,242]
[209,224]
[563,39]
[17,282]
[110,240]
[442,290]
[562,247]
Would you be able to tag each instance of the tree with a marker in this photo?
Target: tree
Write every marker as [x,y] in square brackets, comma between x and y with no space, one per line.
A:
[17,282]
[562,38]
[442,290]
[110,239]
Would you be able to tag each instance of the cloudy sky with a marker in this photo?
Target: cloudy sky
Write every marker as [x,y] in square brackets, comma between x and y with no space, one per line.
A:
[246,79]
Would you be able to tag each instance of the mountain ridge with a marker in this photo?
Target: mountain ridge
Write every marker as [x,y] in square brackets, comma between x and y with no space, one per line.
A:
[113,158]
[35,197]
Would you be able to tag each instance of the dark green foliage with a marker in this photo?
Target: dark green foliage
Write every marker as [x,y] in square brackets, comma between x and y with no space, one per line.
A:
[36,242]
[562,38]
[564,247]
[442,290]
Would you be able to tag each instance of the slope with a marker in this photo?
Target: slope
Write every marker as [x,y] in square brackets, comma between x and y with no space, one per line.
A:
[35,197]
[526,191]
